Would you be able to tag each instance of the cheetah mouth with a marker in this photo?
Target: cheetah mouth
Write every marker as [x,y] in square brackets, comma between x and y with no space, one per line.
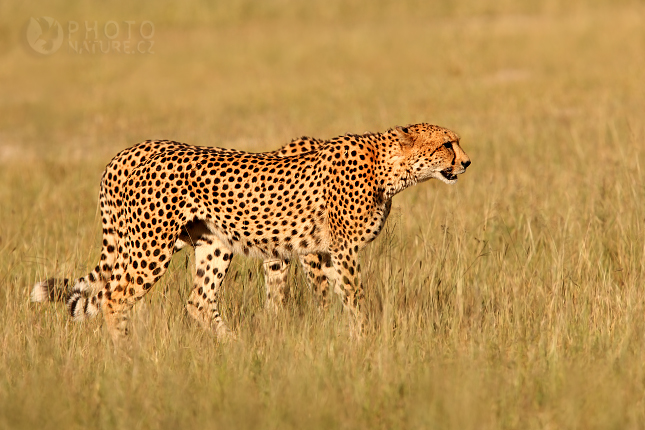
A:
[448,175]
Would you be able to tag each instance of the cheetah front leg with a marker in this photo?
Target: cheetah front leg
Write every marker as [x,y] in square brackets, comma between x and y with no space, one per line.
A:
[348,285]
[212,259]
[275,279]
[318,269]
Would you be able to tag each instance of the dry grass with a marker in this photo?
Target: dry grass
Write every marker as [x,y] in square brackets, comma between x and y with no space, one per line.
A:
[511,300]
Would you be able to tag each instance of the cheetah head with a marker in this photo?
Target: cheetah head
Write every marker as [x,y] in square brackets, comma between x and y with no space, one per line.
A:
[432,152]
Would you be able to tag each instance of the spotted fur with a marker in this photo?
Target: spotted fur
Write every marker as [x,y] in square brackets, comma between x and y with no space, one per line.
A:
[322,206]
[116,172]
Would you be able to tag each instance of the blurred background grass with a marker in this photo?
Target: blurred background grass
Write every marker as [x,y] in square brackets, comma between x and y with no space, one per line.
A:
[511,300]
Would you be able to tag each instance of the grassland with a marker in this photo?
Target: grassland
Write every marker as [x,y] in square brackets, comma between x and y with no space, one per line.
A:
[511,300]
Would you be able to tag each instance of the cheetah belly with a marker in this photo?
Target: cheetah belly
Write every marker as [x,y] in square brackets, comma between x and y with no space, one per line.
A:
[267,244]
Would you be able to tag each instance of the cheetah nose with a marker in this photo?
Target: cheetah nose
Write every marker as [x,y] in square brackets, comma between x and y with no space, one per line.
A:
[465,163]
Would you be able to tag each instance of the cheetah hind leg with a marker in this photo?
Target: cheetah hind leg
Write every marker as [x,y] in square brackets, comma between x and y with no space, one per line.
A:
[126,286]
[212,259]
[81,299]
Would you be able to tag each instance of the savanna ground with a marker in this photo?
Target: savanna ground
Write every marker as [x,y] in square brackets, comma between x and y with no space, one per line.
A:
[513,299]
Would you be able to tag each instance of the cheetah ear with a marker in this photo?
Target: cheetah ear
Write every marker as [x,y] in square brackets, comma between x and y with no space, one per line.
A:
[404,136]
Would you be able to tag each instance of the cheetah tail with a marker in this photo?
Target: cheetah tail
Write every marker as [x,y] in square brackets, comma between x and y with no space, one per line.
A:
[83,304]
[50,290]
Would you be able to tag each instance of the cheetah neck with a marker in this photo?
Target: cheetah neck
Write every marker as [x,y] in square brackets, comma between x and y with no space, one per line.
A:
[392,164]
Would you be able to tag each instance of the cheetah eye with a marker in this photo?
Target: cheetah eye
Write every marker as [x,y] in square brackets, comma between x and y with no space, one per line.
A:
[448,145]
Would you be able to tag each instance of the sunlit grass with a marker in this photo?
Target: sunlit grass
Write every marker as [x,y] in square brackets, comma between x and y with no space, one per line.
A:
[513,299]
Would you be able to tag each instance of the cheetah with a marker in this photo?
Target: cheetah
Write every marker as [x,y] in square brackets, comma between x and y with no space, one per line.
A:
[115,174]
[328,203]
